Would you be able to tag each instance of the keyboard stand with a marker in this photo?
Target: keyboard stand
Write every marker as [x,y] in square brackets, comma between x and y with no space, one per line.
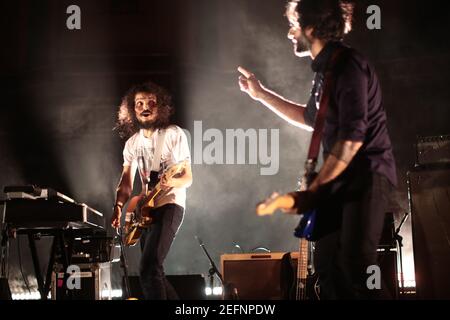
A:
[62,240]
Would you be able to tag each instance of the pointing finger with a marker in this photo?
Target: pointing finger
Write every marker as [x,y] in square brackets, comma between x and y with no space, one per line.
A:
[245,72]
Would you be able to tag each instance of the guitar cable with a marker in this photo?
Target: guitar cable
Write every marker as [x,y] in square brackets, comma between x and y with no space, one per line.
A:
[239,247]
[262,249]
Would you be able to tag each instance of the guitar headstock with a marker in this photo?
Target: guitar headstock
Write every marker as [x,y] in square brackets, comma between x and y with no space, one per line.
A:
[273,203]
[268,206]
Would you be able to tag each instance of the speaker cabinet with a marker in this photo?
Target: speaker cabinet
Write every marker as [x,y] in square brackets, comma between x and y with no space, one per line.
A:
[255,276]
[429,191]
[387,260]
[188,287]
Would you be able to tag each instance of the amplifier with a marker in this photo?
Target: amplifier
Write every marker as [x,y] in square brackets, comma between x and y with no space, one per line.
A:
[256,276]
[433,150]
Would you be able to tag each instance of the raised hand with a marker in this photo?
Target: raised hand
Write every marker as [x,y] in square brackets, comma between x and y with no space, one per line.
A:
[250,84]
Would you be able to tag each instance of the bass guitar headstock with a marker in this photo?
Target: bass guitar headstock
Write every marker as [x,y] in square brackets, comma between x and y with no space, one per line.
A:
[273,203]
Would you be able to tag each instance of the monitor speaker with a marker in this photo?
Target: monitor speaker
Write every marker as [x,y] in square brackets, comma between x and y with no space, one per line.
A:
[188,287]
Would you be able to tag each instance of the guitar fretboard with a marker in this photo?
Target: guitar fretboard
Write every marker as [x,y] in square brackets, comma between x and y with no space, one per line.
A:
[302,270]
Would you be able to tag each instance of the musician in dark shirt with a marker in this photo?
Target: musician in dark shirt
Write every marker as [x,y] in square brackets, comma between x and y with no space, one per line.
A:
[358,172]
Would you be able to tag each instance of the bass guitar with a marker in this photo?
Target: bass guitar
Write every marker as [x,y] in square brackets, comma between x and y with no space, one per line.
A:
[305,286]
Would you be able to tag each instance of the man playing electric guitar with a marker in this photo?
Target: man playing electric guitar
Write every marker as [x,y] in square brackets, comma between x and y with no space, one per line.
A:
[153,144]
[351,191]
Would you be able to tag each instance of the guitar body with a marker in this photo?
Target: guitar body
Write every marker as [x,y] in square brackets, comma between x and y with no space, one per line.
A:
[287,277]
[305,228]
[312,290]
[140,208]
[289,282]
[133,236]
[133,229]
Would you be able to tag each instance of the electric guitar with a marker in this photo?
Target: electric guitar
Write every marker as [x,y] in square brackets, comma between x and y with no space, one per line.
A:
[306,284]
[139,211]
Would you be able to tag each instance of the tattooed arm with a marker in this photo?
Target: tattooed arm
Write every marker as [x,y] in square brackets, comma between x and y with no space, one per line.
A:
[337,161]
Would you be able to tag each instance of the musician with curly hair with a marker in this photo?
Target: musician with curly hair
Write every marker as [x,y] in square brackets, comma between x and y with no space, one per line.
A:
[144,120]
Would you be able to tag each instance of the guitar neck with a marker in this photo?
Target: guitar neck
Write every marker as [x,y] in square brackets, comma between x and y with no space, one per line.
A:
[304,252]
[153,193]
[157,188]
[302,269]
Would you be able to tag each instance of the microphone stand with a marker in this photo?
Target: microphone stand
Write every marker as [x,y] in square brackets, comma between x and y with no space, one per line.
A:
[123,262]
[229,289]
[399,240]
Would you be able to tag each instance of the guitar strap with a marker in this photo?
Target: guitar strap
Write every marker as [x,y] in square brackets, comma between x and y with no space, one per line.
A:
[328,84]
[156,163]
[314,147]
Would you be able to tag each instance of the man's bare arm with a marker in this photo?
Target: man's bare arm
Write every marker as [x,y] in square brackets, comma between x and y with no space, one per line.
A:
[123,193]
[125,187]
[287,110]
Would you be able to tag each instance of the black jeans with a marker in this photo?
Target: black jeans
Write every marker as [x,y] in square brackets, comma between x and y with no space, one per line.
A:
[352,218]
[155,244]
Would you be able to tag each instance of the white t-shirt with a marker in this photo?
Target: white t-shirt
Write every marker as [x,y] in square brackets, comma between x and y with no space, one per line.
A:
[175,149]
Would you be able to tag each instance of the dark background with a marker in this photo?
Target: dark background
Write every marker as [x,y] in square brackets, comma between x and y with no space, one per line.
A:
[60,89]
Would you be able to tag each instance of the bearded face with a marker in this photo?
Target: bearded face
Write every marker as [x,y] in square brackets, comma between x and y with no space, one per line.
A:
[146,109]
[302,44]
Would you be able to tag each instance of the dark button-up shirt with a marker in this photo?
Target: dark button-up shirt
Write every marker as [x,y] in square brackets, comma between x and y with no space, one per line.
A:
[356,110]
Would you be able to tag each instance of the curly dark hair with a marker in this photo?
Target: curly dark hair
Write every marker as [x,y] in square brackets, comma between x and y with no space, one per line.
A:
[127,124]
[330,19]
